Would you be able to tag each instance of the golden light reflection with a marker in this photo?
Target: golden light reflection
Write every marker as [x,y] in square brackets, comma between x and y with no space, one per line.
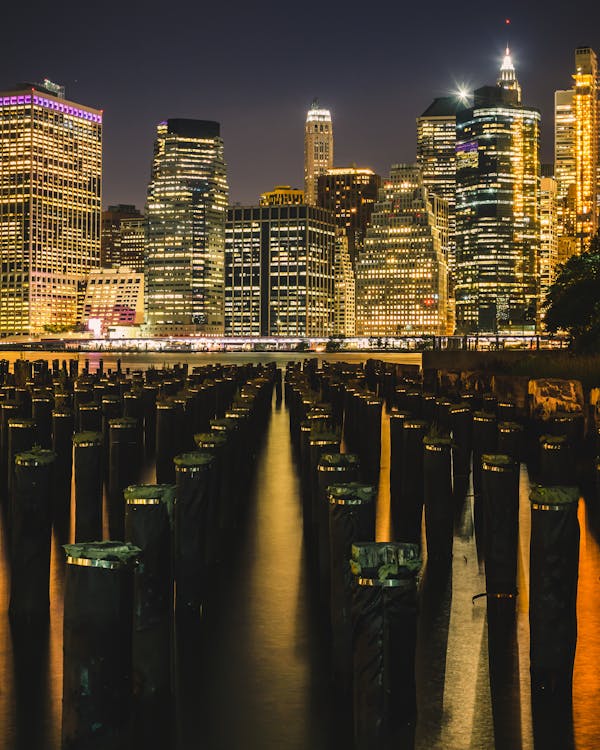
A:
[586,678]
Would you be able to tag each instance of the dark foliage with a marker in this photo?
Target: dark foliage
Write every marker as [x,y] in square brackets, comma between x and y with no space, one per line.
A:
[573,300]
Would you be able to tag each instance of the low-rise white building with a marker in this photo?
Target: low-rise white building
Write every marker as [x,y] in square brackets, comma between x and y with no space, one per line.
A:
[113,297]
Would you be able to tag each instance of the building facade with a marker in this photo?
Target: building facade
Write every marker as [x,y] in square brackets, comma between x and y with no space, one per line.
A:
[576,157]
[50,207]
[497,211]
[344,289]
[123,237]
[113,297]
[548,257]
[401,277]
[133,243]
[186,214]
[585,111]
[318,149]
[565,172]
[282,195]
[350,194]
[279,271]
[436,155]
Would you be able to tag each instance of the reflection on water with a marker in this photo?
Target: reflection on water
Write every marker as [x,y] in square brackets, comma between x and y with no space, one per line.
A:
[255,675]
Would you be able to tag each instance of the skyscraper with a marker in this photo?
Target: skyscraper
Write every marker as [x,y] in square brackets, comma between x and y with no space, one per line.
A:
[401,276]
[565,173]
[318,149]
[497,210]
[576,134]
[279,271]
[114,228]
[133,243]
[50,206]
[436,155]
[548,257]
[585,111]
[350,193]
[186,215]
[507,79]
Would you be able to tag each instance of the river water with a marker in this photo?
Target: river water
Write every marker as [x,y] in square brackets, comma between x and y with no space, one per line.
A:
[256,675]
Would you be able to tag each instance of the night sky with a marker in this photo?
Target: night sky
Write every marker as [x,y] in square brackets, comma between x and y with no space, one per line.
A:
[256,66]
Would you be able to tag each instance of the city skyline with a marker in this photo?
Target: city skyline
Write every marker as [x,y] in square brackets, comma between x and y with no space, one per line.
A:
[260,122]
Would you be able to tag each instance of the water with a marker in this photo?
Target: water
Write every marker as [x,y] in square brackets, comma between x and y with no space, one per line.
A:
[255,675]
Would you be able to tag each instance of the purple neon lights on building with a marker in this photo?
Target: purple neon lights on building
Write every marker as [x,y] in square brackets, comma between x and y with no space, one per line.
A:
[67,109]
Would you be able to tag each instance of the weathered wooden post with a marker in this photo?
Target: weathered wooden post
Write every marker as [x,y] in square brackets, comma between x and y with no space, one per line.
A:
[89,475]
[31,528]
[384,614]
[97,641]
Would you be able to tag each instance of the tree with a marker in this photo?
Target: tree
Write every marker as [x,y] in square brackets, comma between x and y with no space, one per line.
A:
[573,300]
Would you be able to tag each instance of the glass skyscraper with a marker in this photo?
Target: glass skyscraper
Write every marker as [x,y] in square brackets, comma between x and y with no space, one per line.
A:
[50,206]
[497,210]
[186,214]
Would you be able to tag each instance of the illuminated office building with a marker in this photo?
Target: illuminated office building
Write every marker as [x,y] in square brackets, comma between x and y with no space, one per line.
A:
[564,172]
[548,256]
[344,288]
[436,155]
[350,193]
[497,211]
[279,271]
[585,111]
[507,79]
[50,206]
[113,297]
[401,276]
[133,243]
[318,149]
[576,133]
[186,215]
[282,195]
[123,237]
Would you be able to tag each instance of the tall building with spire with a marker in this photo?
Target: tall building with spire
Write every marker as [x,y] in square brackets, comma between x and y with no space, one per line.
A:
[50,206]
[508,75]
[186,214]
[401,276]
[318,149]
[497,210]
[576,144]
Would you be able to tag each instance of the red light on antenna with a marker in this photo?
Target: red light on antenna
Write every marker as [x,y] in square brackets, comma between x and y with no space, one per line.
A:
[508,21]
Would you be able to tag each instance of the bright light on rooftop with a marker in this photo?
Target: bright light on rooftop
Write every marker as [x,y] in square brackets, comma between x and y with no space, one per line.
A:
[462,93]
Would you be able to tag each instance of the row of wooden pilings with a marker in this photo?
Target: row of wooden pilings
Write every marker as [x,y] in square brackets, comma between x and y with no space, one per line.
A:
[445,446]
[127,591]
